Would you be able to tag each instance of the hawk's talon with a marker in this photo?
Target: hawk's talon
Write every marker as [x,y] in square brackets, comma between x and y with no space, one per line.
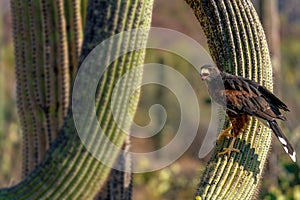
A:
[225,133]
[229,149]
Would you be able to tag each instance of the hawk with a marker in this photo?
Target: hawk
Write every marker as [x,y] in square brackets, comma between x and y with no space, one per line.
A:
[242,98]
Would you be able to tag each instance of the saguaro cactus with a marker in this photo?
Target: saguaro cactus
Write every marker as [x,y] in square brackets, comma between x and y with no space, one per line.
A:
[47,47]
[238,45]
[47,37]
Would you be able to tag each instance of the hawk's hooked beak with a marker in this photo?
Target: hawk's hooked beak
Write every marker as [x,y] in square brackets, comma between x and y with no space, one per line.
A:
[204,76]
[204,73]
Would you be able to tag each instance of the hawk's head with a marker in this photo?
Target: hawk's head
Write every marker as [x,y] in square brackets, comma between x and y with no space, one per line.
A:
[209,72]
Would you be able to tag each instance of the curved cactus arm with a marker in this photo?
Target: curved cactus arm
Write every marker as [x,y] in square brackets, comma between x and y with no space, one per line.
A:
[237,43]
[68,169]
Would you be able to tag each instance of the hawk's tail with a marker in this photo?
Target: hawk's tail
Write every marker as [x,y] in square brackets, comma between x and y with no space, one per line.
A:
[283,140]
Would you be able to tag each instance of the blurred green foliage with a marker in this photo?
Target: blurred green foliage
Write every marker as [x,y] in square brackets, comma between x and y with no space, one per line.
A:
[161,184]
[181,176]
[10,135]
[288,184]
[287,180]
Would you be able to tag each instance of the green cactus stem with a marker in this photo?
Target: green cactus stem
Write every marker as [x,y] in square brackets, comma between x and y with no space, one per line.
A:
[238,45]
[68,170]
[45,68]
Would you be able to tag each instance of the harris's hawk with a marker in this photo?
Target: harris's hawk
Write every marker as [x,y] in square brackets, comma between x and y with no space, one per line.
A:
[242,98]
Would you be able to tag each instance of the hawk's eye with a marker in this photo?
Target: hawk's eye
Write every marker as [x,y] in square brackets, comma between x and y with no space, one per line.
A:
[205,74]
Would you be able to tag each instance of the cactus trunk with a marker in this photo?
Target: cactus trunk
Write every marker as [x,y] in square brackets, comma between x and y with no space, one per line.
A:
[238,45]
[47,38]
